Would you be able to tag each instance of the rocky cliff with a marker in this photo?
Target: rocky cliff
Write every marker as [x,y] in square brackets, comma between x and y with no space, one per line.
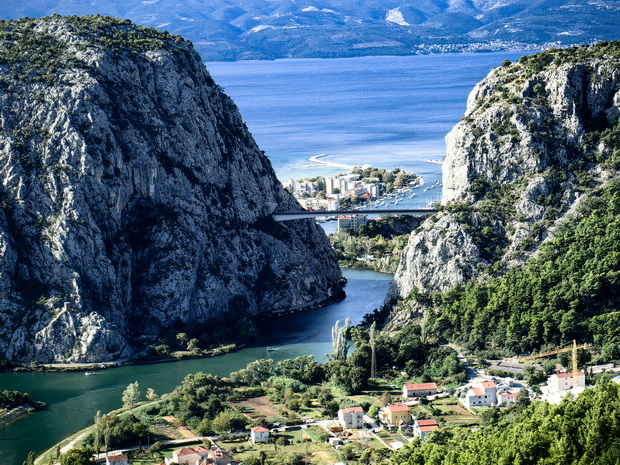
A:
[133,195]
[537,137]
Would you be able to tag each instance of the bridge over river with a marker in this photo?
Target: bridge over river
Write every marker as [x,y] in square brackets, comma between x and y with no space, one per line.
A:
[297,215]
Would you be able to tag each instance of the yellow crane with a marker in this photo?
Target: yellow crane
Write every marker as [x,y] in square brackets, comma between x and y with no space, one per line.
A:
[572,349]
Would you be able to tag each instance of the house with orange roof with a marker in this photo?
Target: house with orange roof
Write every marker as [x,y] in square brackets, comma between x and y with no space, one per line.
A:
[217,456]
[259,434]
[564,381]
[481,395]
[422,427]
[505,398]
[419,389]
[395,415]
[188,455]
[117,460]
[351,417]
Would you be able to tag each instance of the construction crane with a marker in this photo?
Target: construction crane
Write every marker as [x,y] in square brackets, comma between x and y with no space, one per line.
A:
[572,349]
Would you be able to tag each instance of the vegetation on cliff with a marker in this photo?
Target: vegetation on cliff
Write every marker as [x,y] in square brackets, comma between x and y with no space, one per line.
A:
[569,291]
[134,199]
[538,153]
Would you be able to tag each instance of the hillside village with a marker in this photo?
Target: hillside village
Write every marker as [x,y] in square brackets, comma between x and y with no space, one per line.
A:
[381,420]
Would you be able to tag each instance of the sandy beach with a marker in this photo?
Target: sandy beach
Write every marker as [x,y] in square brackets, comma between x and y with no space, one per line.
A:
[316,159]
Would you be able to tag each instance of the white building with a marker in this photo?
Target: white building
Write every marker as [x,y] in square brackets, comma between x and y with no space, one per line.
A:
[117,460]
[351,222]
[188,455]
[259,434]
[422,427]
[351,417]
[333,205]
[481,395]
[419,389]
[506,398]
[564,381]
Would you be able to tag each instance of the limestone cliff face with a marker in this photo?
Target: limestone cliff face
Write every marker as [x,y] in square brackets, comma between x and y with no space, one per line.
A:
[132,195]
[535,139]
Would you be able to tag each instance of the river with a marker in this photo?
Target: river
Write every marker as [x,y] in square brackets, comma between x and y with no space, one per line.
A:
[74,398]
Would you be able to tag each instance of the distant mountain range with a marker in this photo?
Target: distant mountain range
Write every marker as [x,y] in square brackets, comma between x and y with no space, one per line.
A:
[269,29]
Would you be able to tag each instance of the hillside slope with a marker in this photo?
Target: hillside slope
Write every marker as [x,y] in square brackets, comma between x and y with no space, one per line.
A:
[133,196]
[534,161]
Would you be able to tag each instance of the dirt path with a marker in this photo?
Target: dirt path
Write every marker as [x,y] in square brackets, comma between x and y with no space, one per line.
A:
[183,431]
[261,406]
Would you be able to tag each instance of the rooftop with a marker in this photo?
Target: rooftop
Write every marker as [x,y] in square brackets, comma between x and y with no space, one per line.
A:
[352,409]
[260,429]
[184,451]
[398,408]
[430,422]
[117,458]
[420,386]
[426,429]
[569,374]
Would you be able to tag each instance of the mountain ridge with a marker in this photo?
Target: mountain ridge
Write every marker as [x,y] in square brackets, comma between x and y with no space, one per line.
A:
[234,30]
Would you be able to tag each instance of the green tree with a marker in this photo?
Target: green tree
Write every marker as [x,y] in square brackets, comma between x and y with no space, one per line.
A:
[131,395]
[228,420]
[76,457]
[340,345]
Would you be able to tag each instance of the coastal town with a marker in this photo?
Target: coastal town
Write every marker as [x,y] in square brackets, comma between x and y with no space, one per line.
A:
[362,188]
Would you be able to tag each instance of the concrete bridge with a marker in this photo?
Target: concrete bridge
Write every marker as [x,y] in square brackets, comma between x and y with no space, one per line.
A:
[298,215]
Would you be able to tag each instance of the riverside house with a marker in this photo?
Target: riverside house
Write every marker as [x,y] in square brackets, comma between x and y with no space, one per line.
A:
[117,460]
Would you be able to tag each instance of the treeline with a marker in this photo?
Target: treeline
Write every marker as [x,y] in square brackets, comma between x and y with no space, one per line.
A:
[383,239]
[12,399]
[202,402]
[585,430]
[570,291]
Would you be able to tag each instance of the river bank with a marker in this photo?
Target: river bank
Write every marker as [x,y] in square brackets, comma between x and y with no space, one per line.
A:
[74,399]
[8,415]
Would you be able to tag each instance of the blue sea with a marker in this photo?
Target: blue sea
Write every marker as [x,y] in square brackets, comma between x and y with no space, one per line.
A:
[385,111]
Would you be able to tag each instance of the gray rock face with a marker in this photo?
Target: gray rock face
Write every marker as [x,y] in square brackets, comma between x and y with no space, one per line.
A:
[133,195]
[516,164]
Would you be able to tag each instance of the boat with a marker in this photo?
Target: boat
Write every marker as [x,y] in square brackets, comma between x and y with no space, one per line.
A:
[271,349]
[87,373]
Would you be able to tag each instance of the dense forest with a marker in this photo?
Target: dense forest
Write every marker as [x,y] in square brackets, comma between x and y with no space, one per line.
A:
[570,291]
[584,431]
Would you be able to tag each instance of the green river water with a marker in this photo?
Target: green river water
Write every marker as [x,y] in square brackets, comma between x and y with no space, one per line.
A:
[74,399]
